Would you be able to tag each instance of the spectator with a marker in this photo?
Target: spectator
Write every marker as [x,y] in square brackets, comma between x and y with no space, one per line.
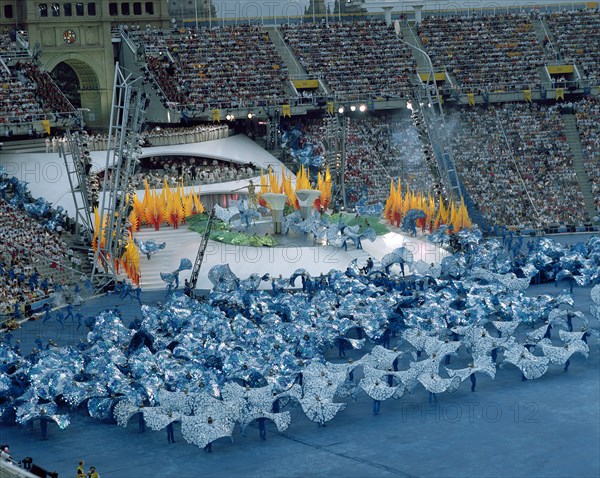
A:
[489,53]
[525,179]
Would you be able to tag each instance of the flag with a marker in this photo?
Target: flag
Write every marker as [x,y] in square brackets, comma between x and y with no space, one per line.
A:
[46,125]
[527,95]
[560,94]
[330,107]
[216,115]
[471,99]
[286,110]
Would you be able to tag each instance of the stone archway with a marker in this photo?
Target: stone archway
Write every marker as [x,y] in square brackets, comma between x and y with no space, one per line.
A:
[81,85]
[86,77]
[67,80]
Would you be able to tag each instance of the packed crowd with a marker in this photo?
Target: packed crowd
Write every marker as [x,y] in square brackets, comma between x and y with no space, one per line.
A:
[7,45]
[222,67]
[587,114]
[18,100]
[23,242]
[317,147]
[236,66]
[48,94]
[357,59]
[577,35]
[26,90]
[378,147]
[369,157]
[155,137]
[156,170]
[491,53]
[395,145]
[526,179]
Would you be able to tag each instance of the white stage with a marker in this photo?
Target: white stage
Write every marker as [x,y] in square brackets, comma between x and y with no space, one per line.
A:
[47,175]
[245,260]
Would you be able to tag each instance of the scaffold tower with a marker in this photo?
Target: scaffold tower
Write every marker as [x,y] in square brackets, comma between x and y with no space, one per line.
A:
[112,230]
[84,184]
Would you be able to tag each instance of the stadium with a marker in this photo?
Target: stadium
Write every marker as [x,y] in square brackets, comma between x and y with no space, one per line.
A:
[266,226]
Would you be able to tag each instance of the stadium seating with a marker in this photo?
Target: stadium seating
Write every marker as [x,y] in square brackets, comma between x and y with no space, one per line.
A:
[587,114]
[521,179]
[577,35]
[17,99]
[358,60]
[22,272]
[226,67]
[26,90]
[514,159]
[493,53]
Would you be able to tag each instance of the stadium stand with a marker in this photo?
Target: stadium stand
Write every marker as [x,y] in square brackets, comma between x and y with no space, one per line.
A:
[17,99]
[238,66]
[493,53]
[358,60]
[587,114]
[47,93]
[523,177]
[24,277]
[379,147]
[27,92]
[226,67]
[577,35]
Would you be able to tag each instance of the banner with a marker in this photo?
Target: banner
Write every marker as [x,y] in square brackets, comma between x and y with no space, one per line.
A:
[46,125]
[330,109]
[560,69]
[560,94]
[438,76]
[527,95]
[471,99]
[286,111]
[306,84]
[216,115]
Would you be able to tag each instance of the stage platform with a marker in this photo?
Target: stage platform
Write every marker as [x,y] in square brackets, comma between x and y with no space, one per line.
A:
[47,176]
[294,251]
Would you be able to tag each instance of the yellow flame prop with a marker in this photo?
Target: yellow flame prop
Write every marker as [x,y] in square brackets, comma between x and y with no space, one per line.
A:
[398,204]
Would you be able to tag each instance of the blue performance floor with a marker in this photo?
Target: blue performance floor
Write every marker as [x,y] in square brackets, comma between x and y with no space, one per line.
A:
[548,427]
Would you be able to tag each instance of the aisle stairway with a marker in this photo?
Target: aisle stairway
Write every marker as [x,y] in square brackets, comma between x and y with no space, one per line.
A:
[578,164]
[155,109]
[542,29]
[286,54]
[409,35]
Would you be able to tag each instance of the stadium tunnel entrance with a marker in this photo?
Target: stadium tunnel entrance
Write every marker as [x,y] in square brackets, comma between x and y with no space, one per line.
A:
[80,84]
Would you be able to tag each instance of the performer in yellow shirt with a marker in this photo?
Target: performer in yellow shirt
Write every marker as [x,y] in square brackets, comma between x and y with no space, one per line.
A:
[80,472]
